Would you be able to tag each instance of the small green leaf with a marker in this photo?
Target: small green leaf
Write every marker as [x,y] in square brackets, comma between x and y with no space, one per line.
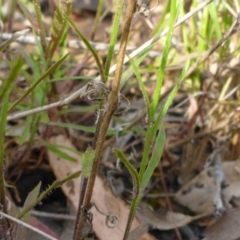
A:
[32,196]
[155,158]
[87,161]
[56,184]
[31,199]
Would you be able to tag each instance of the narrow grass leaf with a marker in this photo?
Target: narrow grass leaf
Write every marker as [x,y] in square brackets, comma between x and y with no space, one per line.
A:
[61,146]
[141,84]
[7,83]
[137,62]
[3,121]
[88,45]
[46,74]
[155,158]
[171,96]
[87,162]
[162,19]
[60,153]
[160,77]
[133,172]
[114,35]
[97,18]
[31,198]
[216,26]
[5,97]
[15,36]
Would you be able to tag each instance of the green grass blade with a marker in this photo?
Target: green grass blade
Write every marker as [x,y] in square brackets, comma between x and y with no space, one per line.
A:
[62,154]
[155,158]
[160,77]
[141,84]
[171,97]
[16,66]
[48,72]
[161,19]
[97,18]
[88,45]
[138,61]
[70,149]
[114,35]
[134,174]
[7,83]
[213,11]
[15,36]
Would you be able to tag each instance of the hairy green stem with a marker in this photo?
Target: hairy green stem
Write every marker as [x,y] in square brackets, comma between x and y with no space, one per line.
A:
[107,116]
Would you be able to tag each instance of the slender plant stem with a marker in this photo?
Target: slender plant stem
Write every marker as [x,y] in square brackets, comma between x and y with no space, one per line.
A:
[131,215]
[147,145]
[107,116]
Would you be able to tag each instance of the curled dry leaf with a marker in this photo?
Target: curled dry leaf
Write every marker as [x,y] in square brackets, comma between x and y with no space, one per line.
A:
[199,193]
[102,197]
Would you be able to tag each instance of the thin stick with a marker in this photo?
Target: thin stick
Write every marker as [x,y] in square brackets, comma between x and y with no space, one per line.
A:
[53,215]
[28,226]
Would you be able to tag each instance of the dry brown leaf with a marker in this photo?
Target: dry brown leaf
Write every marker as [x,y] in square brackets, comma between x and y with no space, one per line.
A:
[102,197]
[164,221]
[198,194]
[232,174]
[226,228]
